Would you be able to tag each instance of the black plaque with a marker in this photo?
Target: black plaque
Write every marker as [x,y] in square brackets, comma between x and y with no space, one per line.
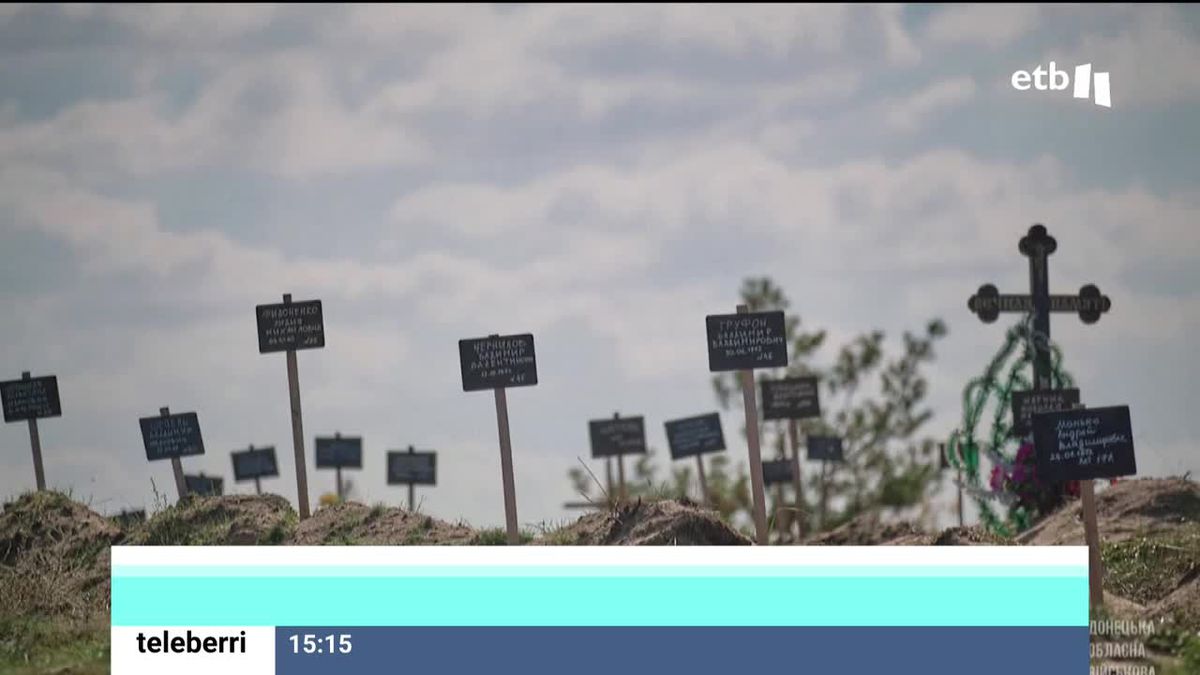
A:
[290,326]
[777,471]
[825,448]
[697,435]
[1084,444]
[30,399]
[497,362]
[171,436]
[255,463]
[1026,404]
[339,451]
[795,398]
[618,436]
[411,468]
[205,486]
[746,341]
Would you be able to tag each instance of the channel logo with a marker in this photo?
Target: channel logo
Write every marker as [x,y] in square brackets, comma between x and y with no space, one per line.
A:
[1087,84]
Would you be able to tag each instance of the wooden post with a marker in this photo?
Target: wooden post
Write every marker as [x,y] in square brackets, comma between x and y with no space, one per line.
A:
[297,427]
[35,442]
[624,496]
[506,468]
[797,479]
[608,479]
[176,465]
[959,483]
[1091,533]
[412,490]
[756,470]
[337,472]
[703,481]
[824,492]
[257,485]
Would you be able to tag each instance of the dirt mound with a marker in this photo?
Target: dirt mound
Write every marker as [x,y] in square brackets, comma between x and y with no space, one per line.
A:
[1131,508]
[869,530]
[219,521]
[656,523]
[54,556]
[353,523]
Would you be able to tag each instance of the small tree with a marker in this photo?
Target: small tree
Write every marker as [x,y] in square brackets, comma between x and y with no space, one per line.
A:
[874,402]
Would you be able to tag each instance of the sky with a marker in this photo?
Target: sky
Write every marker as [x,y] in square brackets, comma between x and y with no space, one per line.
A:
[601,177]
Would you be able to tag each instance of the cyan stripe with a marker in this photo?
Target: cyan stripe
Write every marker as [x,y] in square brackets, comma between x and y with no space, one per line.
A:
[600,601]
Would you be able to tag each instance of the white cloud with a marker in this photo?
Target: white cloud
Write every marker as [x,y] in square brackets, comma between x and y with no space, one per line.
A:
[992,25]
[909,113]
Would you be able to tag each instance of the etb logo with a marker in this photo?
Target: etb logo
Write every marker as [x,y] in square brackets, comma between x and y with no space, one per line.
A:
[1058,80]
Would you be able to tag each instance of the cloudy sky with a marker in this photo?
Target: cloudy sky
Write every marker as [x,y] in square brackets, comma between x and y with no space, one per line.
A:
[602,177]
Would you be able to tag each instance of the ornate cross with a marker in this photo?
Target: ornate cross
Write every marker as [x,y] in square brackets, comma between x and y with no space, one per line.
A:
[988,302]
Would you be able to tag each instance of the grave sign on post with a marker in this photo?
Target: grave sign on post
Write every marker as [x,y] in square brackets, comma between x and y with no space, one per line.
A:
[205,486]
[618,437]
[28,399]
[777,471]
[695,437]
[825,449]
[794,398]
[172,437]
[255,464]
[411,468]
[743,342]
[1085,444]
[339,452]
[1026,404]
[287,327]
[496,363]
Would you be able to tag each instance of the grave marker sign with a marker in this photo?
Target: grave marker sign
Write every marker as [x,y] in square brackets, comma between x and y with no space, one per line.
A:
[287,327]
[255,464]
[205,486]
[411,468]
[1026,404]
[339,453]
[172,437]
[695,437]
[777,471]
[825,449]
[1084,444]
[791,399]
[617,436]
[743,342]
[495,363]
[29,399]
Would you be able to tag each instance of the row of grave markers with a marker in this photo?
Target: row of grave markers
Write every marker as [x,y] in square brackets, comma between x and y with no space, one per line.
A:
[1072,443]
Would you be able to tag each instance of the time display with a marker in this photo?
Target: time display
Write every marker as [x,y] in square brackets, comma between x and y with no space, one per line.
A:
[320,644]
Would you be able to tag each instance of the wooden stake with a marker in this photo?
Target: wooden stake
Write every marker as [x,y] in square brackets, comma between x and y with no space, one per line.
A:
[608,479]
[35,442]
[412,489]
[297,427]
[756,471]
[257,486]
[824,491]
[1091,532]
[176,465]
[623,496]
[337,472]
[703,481]
[959,483]
[506,468]
[798,483]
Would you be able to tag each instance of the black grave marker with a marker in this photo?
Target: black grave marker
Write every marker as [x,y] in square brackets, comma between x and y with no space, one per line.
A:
[339,452]
[794,398]
[1026,404]
[171,436]
[777,471]
[692,436]
[825,448]
[205,486]
[254,464]
[411,468]
[497,362]
[30,398]
[129,518]
[290,326]
[746,341]
[617,436]
[1084,444]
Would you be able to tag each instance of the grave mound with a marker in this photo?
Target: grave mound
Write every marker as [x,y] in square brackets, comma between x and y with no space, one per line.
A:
[869,530]
[651,523]
[1131,508]
[54,556]
[352,523]
[219,521]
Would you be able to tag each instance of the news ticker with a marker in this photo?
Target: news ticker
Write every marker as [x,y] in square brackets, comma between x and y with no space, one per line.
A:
[552,610]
